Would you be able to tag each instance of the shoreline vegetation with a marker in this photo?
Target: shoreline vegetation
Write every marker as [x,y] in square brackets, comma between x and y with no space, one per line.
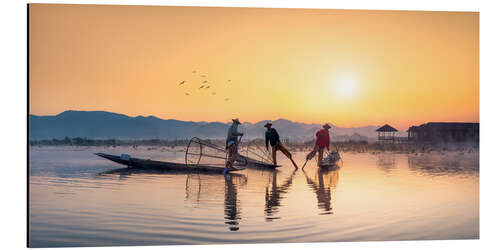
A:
[295,146]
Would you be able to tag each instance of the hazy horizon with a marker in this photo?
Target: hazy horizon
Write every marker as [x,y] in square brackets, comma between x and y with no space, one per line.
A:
[242,120]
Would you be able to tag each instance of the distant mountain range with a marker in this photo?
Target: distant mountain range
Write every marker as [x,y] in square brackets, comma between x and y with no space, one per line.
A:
[107,125]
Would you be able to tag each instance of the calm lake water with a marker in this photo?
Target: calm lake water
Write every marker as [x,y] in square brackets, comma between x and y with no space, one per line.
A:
[79,199]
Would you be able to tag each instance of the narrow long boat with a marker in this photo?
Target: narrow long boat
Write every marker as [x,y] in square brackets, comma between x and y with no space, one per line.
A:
[256,163]
[160,165]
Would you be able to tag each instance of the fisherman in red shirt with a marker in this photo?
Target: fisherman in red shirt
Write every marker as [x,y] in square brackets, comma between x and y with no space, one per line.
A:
[322,141]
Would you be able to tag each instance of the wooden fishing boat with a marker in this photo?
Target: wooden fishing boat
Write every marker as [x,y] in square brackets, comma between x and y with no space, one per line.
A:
[138,171]
[160,165]
[201,156]
[256,163]
[328,167]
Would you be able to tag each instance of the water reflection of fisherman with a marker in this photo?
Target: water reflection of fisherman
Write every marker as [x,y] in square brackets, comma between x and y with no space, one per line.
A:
[232,212]
[322,142]
[231,204]
[274,194]
[273,137]
[322,184]
[232,143]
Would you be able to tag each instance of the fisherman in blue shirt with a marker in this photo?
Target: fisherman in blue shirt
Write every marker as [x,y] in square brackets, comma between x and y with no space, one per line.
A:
[232,144]
[273,137]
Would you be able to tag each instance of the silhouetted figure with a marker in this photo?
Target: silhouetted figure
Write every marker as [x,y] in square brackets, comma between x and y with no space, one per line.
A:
[273,137]
[232,143]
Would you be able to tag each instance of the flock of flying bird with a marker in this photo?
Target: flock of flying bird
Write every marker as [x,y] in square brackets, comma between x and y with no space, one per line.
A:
[205,85]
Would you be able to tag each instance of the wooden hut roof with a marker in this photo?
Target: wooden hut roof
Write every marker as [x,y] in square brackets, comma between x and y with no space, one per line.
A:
[386,128]
[445,125]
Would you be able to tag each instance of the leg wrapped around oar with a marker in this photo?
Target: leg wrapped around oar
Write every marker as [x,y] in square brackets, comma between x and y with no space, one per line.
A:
[312,153]
[285,151]
[274,148]
[232,155]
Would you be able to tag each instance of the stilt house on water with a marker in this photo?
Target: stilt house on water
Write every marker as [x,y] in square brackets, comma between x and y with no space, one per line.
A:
[444,132]
[386,133]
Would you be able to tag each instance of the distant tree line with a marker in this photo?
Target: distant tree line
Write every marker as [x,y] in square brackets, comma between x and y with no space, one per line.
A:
[83,141]
[346,146]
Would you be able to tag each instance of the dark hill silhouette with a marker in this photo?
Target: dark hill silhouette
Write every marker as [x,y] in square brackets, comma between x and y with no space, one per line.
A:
[105,125]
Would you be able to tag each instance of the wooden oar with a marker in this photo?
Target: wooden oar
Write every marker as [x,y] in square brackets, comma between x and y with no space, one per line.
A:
[328,152]
[294,164]
[305,163]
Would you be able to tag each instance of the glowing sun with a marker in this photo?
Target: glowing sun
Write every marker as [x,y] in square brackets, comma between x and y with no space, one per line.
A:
[346,87]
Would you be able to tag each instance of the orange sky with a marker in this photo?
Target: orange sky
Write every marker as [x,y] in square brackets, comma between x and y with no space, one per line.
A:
[350,68]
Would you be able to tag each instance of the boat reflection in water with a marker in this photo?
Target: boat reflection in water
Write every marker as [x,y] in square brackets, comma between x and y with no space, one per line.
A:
[274,194]
[400,197]
[200,188]
[324,183]
[205,188]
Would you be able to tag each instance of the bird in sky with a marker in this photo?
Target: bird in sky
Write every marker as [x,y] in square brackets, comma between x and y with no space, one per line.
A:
[187,93]
[194,71]
[204,81]
[229,80]
[203,75]
[227,99]
[202,86]
[207,87]
[182,82]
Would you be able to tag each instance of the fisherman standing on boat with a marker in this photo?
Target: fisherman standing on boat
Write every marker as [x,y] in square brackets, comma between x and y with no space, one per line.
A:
[273,137]
[322,142]
[232,144]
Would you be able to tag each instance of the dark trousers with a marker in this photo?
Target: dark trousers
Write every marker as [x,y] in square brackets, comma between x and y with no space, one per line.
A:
[232,155]
[281,148]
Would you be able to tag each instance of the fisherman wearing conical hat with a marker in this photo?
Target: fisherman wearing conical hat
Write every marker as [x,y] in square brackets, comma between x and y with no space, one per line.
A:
[273,137]
[232,143]
[322,142]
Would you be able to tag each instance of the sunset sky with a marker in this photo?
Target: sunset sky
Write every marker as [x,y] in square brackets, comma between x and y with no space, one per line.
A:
[350,68]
